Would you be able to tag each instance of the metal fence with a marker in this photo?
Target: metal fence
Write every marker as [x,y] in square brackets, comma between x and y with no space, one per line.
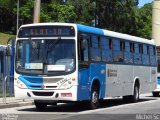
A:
[6,71]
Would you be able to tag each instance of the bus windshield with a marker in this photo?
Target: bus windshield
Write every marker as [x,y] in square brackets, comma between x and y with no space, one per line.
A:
[43,56]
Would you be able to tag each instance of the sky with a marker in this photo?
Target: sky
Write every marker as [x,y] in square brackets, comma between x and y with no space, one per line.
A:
[142,2]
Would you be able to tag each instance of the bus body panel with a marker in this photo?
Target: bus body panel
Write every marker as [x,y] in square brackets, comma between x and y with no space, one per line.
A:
[86,78]
[121,79]
[83,83]
[98,72]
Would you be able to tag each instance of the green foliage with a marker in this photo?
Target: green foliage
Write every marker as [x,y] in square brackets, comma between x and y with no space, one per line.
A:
[62,12]
[116,15]
[84,11]
[26,12]
[9,4]
[144,21]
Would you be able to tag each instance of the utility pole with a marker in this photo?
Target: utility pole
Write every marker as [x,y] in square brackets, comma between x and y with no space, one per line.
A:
[156,22]
[17,14]
[37,6]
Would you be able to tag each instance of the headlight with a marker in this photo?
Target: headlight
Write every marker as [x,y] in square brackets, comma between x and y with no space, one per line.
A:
[20,84]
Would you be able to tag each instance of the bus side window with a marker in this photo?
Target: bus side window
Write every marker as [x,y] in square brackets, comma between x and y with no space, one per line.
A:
[152,55]
[128,56]
[145,55]
[106,45]
[95,48]
[83,49]
[117,51]
[137,54]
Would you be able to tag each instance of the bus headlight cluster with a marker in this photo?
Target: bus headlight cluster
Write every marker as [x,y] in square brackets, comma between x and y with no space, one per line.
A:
[20,84]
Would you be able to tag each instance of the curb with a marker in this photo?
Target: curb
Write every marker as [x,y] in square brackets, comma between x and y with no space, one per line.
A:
[19,104]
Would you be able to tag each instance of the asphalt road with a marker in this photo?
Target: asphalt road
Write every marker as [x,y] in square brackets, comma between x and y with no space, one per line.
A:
[113,109]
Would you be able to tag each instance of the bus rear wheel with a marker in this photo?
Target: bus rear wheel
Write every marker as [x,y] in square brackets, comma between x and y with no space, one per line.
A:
[132,98]
[94,101]
[135,97]
[39,105]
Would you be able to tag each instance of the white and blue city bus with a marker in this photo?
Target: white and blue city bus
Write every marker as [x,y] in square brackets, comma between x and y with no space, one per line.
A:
[64,62]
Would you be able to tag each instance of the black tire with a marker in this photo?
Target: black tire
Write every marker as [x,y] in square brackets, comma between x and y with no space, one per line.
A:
[155,94]
[94,102]
[132,98]
[54,104]
[127,99]
[40,106]
[135,97]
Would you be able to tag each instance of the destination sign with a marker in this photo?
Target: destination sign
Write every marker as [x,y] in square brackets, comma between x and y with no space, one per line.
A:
[46,31]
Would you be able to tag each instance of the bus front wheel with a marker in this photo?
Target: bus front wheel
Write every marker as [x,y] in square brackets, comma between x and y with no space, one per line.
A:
[94,101]
[40,105]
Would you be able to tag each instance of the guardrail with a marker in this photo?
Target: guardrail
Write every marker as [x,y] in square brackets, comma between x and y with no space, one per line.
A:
[5,87]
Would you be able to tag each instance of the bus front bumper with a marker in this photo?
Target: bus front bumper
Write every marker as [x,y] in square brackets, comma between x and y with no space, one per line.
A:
[55,95]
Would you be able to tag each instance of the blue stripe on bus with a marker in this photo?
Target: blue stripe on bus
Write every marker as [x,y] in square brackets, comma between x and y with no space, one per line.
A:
[27,53]
[32,82]
[88,29]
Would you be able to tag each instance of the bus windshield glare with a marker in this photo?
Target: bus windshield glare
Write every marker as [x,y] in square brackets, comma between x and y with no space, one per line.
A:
[53,56]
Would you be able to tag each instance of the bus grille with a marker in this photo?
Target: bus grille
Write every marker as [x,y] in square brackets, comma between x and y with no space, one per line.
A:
[51,80]
[43,93]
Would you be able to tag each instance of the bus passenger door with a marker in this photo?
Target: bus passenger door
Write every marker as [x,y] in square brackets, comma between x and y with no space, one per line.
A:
[83,67]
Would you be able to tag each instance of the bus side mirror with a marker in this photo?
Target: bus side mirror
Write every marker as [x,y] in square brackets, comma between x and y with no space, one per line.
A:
[84,44]
[10,48]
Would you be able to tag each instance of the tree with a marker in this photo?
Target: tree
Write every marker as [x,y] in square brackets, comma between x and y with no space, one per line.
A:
[26,12]
[144,21]
[61,12]
[117,15]
[7,16]
[84,11]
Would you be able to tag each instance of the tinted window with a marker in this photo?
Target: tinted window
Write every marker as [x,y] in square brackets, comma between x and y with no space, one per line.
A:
[106,49]
[152,55]
[95,48]
[117,53]
[128,55]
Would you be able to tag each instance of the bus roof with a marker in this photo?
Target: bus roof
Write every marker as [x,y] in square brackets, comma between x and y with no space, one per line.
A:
[98,31]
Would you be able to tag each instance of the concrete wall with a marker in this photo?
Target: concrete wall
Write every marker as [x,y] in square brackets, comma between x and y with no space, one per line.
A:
[156,22]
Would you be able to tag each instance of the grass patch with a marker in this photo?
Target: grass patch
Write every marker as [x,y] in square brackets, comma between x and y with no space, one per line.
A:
[4,38]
